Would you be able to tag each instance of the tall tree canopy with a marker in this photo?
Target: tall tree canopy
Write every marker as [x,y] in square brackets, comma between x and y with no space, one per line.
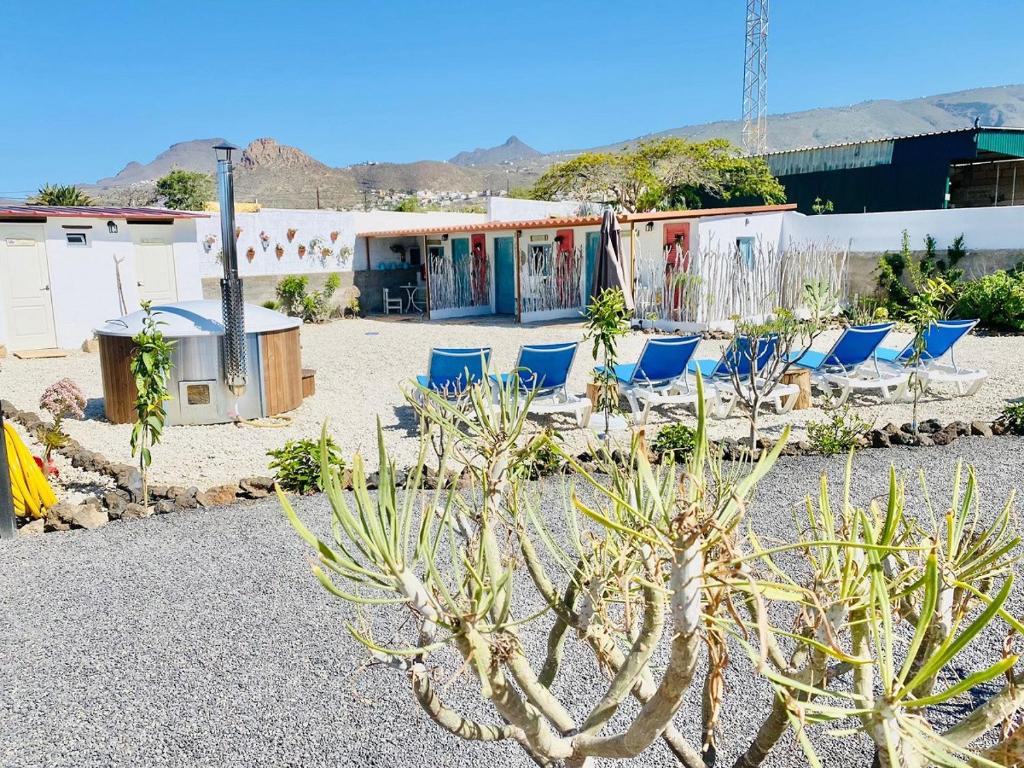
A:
[184,190]
[60,194]
[661,175]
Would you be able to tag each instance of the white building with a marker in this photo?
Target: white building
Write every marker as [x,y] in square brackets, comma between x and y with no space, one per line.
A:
[64,271]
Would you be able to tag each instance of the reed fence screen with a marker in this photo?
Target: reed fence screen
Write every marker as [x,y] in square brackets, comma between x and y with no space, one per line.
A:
[461,281]
[551,280]
[717,283]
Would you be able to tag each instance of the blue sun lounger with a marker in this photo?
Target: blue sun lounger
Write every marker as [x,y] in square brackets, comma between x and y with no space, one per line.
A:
[543,370]
[451,370]
[659,377]
[851,365]
[940,340]
[738,358]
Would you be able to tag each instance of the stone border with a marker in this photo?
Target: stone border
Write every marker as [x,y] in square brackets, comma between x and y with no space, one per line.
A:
[123,502]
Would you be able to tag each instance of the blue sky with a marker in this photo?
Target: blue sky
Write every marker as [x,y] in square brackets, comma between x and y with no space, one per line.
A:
[89,85]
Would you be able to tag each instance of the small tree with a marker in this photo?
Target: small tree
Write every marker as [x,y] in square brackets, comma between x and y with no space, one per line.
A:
[409,204]
[926,306]
[763,352]
[60,194]
[184,190]
[150,367]
[607,321]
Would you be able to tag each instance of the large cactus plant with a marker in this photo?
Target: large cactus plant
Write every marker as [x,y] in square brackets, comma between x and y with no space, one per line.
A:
[661,560]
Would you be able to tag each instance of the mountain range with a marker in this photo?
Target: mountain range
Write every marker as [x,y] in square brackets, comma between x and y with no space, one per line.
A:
[281,176]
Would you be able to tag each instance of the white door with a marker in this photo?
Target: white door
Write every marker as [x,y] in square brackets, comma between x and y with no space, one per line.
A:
[154,263]
[25,275]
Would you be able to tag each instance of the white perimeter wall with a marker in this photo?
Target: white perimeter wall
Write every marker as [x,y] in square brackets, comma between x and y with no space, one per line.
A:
[995,228]
[310,225]
[514,209]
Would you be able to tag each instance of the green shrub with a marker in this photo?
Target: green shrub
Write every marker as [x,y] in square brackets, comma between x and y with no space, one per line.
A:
[291,290]
[314,307]
[675,440]
[997,300]
[296,467]
[1013,417]
[839,434]
[271,304]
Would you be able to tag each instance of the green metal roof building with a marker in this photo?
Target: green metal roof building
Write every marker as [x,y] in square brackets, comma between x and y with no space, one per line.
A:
[965,168]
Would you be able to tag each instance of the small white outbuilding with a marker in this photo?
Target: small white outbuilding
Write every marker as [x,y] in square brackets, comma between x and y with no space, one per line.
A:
[66,270]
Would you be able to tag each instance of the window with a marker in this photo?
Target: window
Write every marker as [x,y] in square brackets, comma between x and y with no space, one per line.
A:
[745,248]
[76,238]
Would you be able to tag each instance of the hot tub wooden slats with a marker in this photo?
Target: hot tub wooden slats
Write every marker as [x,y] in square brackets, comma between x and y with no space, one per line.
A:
[282,370]
[118,383]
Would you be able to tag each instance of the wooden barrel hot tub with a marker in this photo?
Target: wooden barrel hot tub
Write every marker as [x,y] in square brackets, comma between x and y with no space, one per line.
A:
[199,394]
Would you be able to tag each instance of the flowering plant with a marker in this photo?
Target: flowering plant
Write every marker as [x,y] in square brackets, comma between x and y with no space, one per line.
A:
[61,400]
[208,242]
[265,240]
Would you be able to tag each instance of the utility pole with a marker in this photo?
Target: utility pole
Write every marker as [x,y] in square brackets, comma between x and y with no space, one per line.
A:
[7,528]
[318,198]
[755,79]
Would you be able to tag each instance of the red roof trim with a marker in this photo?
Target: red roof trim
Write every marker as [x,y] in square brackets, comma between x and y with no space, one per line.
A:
[581,221]
[94,212]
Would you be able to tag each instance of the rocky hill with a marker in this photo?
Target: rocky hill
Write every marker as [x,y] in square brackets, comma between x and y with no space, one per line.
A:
[511,152]
[283,176]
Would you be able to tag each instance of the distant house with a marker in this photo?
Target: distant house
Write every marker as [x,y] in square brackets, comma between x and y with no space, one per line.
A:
[67,270]
[965,168]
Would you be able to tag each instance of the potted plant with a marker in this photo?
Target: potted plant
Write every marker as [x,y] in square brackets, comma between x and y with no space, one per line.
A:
[334,236]
[607,321]
[250,254]
[238,232]
[264,240]
[279,251]
[302,251]
[208,242]
[291,234]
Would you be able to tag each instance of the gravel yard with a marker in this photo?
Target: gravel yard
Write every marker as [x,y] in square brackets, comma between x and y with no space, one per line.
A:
[201,639]
[360,365]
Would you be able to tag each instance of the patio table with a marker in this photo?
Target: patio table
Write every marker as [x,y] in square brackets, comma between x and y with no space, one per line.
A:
[410,298]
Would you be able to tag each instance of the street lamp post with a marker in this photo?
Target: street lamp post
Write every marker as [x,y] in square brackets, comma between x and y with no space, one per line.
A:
[232,302]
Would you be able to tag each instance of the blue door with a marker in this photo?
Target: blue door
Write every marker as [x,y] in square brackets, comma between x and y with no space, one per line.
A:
[504,276]
[593,245]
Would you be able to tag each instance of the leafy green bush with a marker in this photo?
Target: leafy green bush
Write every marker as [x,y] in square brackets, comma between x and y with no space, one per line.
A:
[291,290]
[314,307]
[675,440]
[271,304]
[296,467]
[1013,417]
[839,434]
[997,300]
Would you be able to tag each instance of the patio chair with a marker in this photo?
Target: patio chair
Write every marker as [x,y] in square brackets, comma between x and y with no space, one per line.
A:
[737,358]
[940,340]
[659,376]
[391,304]
[543,370]
[851,365]
[451,370]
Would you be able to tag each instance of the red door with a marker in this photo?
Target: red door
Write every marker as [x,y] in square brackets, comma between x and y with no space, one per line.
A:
[677,245]
[480,274]
[565,268]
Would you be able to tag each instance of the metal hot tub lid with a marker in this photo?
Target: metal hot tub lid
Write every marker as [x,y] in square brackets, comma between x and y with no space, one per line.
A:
[198,318]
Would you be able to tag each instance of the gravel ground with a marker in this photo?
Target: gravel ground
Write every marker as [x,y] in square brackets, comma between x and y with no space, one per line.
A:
[201,639]
[361,363]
